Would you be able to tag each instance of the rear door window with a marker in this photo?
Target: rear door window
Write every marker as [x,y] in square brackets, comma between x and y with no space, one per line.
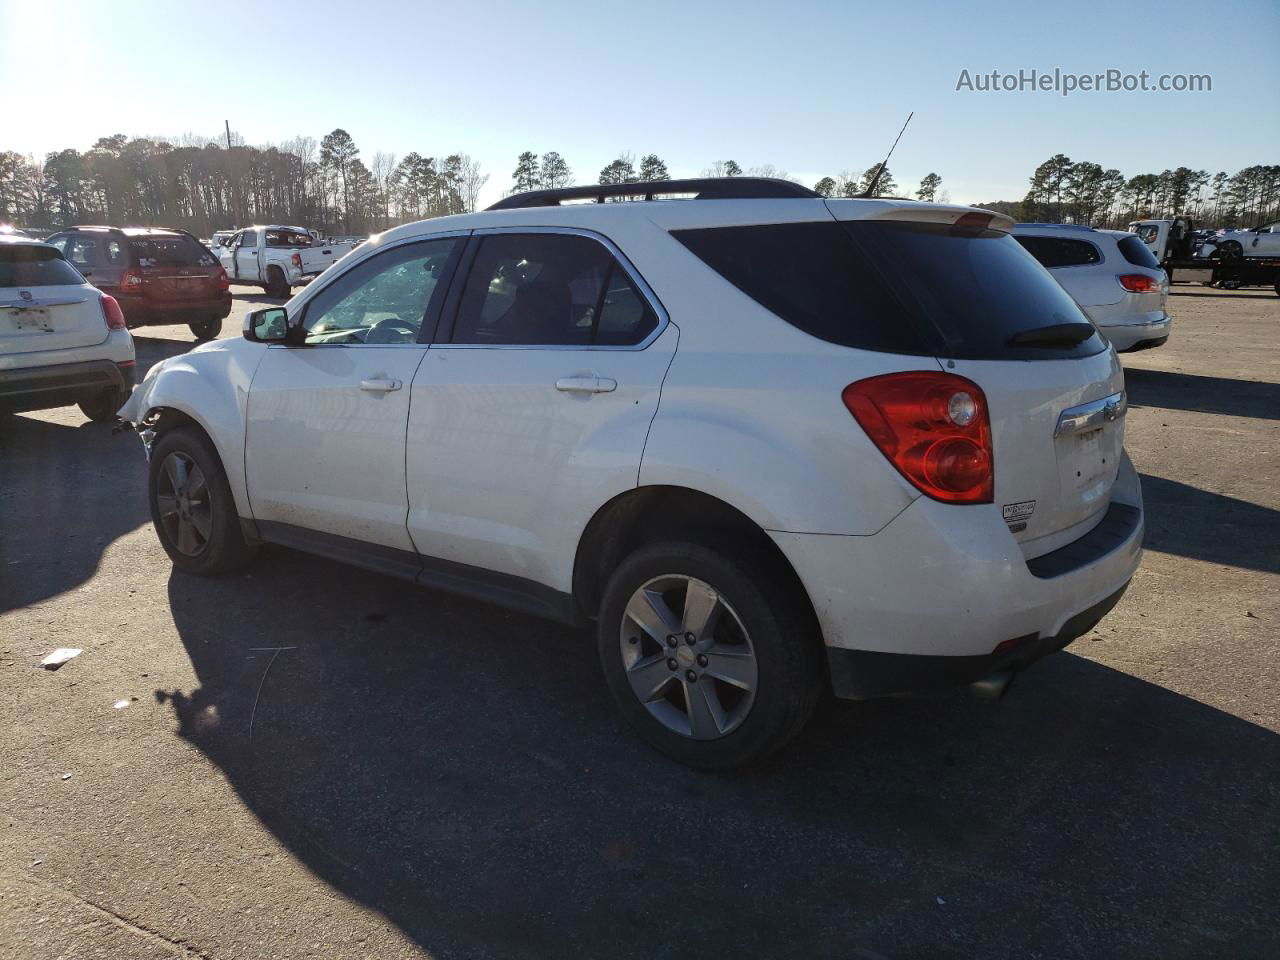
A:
[548,289]
[1061,251]
[1138,253]
[85,251]
[897,287]
[32,266]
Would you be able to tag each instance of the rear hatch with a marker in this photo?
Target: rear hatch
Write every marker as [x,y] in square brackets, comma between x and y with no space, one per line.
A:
[45,303]
[174,268]
[986,310]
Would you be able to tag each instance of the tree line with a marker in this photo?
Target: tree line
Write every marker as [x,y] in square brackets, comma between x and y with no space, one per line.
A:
[202,184]
[1067,191]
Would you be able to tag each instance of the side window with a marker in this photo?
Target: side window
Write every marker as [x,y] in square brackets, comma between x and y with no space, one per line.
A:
[382,300]
[1060,251]
[117,254]
[60,243]
[625,316]
[249,240]
[83,251]
[548,289]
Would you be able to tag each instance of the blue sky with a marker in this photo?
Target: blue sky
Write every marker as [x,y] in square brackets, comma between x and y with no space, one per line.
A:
[812,88]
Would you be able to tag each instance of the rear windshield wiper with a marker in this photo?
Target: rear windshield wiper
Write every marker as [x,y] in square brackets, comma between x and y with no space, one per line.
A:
[1056,334]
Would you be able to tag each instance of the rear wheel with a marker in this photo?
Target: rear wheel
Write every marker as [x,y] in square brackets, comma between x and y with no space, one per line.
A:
[714,662]
[206,329]
[277,283]
[1228,250]
[102,408]
[191,505]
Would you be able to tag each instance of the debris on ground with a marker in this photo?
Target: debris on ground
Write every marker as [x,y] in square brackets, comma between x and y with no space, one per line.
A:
[66,776]
[60,656]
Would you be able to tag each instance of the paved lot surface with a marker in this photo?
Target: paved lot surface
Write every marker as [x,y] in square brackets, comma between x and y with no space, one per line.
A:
[419,775]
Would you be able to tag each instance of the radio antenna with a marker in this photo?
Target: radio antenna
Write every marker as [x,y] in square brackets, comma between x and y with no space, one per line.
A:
[875,181]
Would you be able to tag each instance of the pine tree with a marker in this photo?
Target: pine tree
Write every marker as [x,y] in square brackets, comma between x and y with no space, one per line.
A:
[826,186]
[652,168]
[526,174]
[555,171]
[929,188]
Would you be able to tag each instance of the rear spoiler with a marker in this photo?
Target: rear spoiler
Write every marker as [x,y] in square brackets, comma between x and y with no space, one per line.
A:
[910,212]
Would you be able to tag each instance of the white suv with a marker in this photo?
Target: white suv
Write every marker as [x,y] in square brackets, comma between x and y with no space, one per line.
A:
[1111,274]
[61,340]
[765,441]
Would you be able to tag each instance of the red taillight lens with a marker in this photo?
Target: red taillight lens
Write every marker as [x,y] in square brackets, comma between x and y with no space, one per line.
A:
[223,282]
[1139,283]
[131,279]
[297,260]
[933,427]
[112,313]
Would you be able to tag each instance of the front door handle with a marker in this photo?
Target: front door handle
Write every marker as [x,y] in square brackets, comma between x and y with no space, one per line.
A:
[380,386]
[586,385]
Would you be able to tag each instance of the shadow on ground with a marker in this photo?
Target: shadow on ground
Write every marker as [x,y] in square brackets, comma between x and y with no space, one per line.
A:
[459,770]
[1185,391]
[1210,292]
[52,533]
[1241,534]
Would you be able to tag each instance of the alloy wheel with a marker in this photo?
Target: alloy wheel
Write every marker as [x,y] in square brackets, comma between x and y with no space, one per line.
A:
[182,496]
[688,657]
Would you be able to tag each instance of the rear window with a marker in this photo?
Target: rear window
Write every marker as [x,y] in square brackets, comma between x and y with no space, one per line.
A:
[23,266]
[923,289]
[1061,251]
[288,238]
[170,252]
[1136,252]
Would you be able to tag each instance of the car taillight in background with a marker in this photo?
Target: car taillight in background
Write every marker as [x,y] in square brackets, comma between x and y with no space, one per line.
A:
[112,313]
[933,427]
[131,279]
[297,260]
[1139,283]
[224,283]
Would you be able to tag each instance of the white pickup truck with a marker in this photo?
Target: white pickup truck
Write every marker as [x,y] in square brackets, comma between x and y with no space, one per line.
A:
[277,258]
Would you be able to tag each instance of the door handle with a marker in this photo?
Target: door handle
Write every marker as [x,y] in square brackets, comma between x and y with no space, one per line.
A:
[380,386]
[586,385]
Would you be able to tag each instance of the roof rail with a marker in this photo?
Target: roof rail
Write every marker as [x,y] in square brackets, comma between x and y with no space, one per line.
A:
[710,188]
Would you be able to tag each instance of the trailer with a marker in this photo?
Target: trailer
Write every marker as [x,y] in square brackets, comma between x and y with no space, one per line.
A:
[1186,262]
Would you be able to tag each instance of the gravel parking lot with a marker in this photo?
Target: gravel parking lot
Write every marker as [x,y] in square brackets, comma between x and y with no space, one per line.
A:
[316,761]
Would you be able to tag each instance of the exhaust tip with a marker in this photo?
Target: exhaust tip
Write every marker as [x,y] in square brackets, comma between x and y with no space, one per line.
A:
[992,687]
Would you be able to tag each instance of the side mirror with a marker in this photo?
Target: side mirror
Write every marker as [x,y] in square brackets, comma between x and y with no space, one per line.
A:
[267,326]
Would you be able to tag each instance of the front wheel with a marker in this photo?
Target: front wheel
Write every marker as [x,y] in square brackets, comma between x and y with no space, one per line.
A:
[206,329]
[714,662]
[192,507]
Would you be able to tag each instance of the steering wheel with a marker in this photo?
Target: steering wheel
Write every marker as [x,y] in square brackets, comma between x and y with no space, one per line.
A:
[391,330]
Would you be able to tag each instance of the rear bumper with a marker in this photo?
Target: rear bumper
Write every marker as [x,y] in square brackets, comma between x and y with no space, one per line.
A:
[1141,332]
[943,589]
[141,311]
[59,385]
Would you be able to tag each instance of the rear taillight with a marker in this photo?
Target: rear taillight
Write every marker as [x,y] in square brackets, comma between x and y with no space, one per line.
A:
[933,427]
[297,260]
[223,282]
[1139,283]
[131,279]
[112,313]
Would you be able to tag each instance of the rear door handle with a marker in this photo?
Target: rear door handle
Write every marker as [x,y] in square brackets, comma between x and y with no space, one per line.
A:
[586,385]
[380,386]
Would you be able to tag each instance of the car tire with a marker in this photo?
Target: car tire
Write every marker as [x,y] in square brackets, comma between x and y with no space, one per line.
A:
[1228,250]
[277,283]
[754,672]
[192,508]
[102,407]
[206,329]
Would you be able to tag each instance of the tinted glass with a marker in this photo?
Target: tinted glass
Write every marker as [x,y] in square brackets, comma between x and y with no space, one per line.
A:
[625,315]
[382,300]
[84,251]
[896,287]
[169,252]
[535,289]
[22,266]
[287,238]
[1136,252]
[1061,251]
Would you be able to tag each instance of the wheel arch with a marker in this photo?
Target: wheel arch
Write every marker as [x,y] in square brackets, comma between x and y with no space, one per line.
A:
[650,514]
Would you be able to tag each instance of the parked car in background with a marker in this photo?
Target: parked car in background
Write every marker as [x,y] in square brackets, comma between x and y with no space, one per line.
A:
[1263,241]
[766,442]
[159,276]
[62,341]
[278,258]
[219,240]
[1111,274]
